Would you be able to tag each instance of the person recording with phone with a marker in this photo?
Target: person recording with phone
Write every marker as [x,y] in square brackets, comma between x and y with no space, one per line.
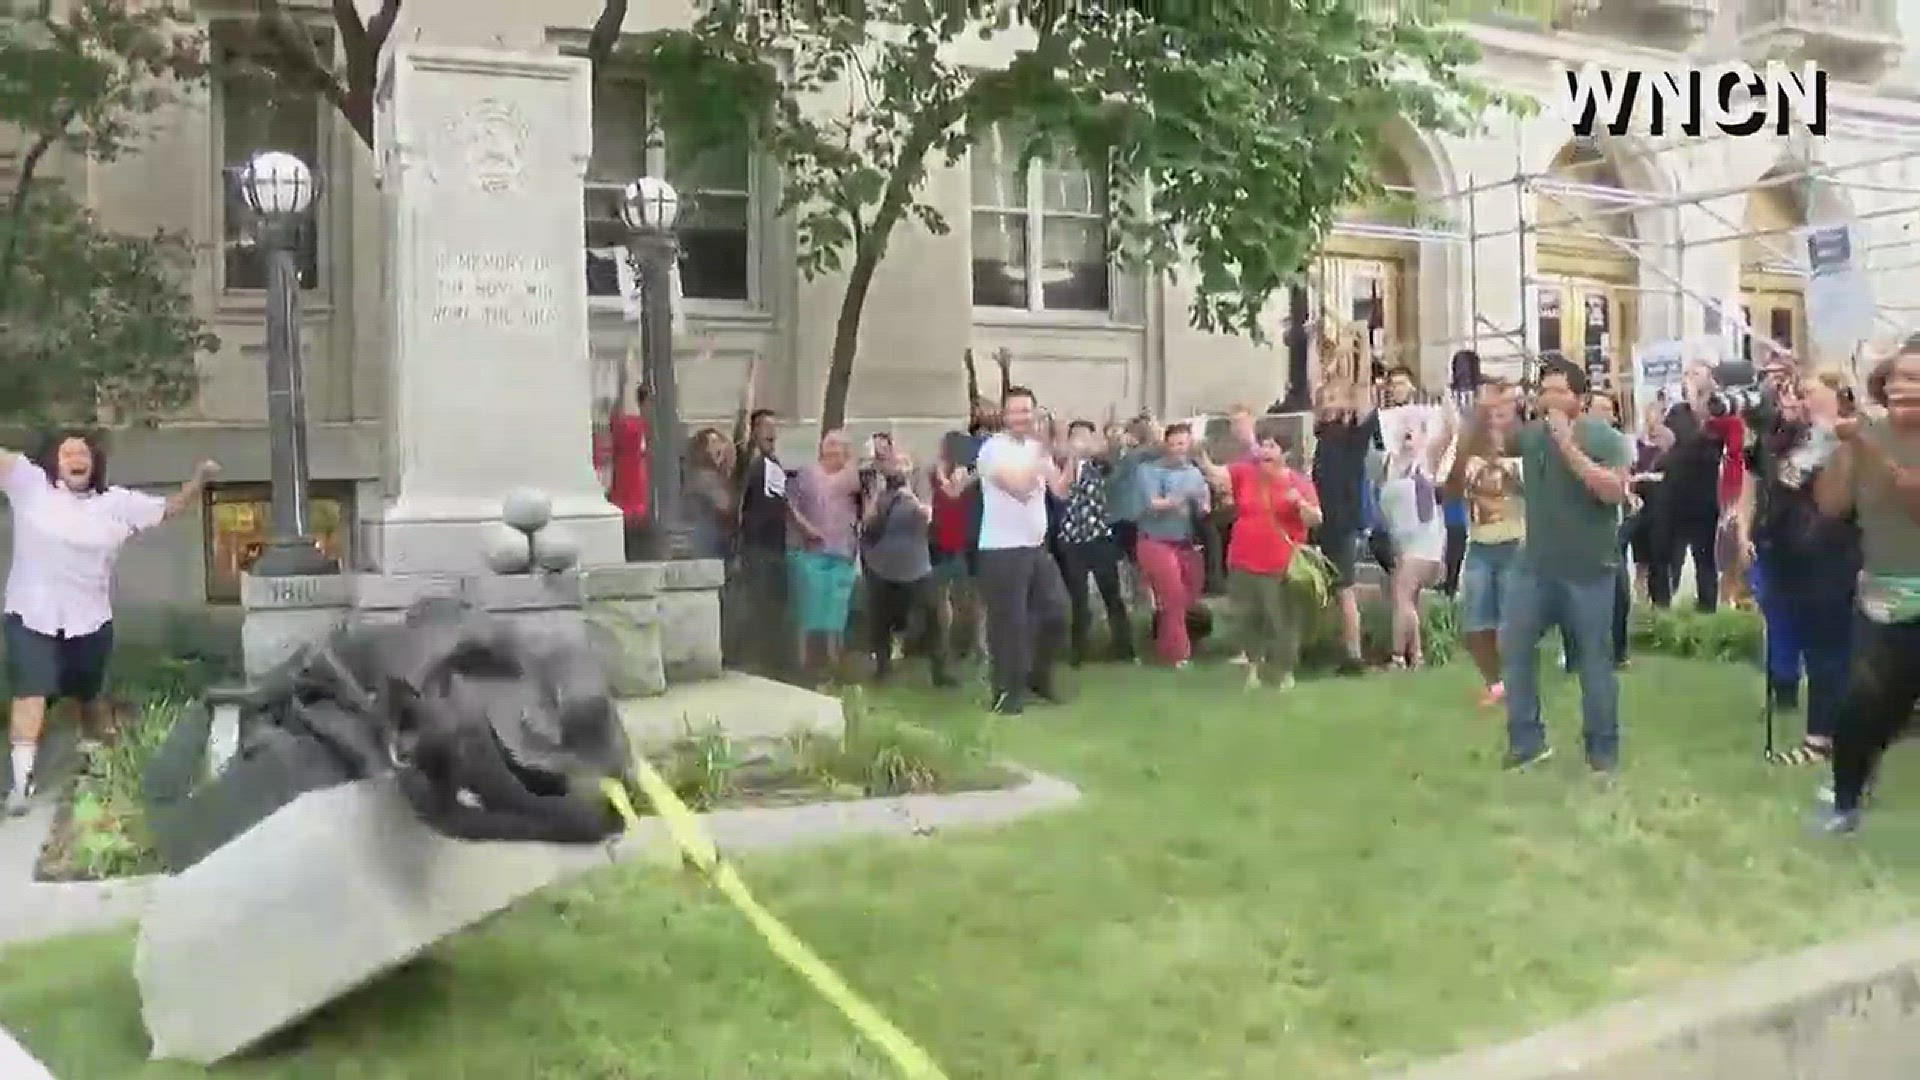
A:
[1873,472]
[1691,494]
[1805,563]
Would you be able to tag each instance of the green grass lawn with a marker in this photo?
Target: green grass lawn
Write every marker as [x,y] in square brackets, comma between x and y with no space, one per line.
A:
[1304,884]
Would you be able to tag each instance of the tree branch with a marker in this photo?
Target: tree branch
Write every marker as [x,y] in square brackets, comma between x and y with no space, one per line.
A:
[606,33]
[17,206]
[297,60]
[361,46]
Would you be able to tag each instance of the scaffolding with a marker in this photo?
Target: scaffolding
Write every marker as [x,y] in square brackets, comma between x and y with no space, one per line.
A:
[1555,186]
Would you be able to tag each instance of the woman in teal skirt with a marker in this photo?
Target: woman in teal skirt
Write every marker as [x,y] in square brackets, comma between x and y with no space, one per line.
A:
[822,542]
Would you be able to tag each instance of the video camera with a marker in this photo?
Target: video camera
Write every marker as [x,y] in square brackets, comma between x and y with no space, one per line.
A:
[1739,390]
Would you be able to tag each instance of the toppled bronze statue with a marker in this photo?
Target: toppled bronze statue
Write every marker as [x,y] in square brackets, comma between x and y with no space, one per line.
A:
[494,731]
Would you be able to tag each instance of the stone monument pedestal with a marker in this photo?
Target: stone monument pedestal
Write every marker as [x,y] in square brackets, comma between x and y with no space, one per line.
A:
[481,156]
[650,623]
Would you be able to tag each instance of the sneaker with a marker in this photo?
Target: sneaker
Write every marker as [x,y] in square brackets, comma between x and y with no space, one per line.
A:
[1831,822]
[1518,762]
[20,799]
[1286,682]
[1825,796]
[1350,667]
[1253,677]
[1009,703]
[1182,665]
[1241,660]
[1493,695]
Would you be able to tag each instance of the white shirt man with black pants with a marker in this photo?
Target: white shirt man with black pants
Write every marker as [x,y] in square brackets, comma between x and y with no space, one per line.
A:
[1026,599]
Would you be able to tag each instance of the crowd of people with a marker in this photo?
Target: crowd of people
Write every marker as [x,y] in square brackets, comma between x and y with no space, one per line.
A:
[1534,508]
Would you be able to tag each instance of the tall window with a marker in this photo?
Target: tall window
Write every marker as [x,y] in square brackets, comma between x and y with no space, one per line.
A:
[1039,233]
[256,112]
[716,205]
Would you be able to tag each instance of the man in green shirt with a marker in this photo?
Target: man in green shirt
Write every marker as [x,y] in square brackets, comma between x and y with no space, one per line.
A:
[1574,469]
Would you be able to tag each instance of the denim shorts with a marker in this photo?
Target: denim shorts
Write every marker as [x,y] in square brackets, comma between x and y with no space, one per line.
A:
[1485,576]
[54,665]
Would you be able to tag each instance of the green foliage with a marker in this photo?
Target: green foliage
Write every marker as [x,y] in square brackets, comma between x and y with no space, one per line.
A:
[1439,633]
[91,321]
[106,835]
[877,755]
[94,322]
[1727,634]
[1231,133]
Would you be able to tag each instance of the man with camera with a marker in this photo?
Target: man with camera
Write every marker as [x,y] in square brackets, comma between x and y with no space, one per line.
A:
[1874,473]
[1692,514]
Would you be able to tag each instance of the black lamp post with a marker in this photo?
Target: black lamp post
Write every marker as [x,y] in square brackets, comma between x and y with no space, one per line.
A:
[279,189]
[1299,380]
[648,208]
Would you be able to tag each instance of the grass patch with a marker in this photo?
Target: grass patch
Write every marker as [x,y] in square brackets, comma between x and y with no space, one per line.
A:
[100,830]
[878,755]
[1317,884]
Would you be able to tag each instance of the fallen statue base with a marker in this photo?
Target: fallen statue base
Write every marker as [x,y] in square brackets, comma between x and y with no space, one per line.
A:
[333,890]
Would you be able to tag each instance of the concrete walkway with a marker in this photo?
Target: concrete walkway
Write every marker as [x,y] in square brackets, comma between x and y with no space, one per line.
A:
[31,909]
[16,1063]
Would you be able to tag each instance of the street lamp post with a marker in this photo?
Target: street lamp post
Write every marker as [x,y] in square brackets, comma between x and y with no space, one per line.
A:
[279,189]
[648,207]
[1298,342]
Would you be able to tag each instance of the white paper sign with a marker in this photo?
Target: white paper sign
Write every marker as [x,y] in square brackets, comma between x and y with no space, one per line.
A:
[1396,421]
[1657,368]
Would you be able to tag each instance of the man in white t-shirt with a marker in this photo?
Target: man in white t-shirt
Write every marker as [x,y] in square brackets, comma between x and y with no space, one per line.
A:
[1026,599]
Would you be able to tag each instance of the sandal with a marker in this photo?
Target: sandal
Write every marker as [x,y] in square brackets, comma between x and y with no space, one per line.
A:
[1807,753]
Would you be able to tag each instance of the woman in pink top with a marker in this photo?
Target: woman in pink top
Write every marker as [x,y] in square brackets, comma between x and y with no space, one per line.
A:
[68,528]
[823,524]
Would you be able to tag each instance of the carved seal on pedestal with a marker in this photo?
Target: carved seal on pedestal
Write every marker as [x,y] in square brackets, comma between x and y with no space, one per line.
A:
[487,146]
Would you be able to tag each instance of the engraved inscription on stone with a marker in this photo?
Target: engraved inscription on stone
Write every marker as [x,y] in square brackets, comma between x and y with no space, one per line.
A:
[288,592]
[494,291]
[485,148]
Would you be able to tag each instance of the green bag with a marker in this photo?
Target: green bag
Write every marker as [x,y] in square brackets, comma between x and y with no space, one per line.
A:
[1311,574]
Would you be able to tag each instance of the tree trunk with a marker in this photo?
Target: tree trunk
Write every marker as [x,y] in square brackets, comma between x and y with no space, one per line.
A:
[17,206]
[846,331]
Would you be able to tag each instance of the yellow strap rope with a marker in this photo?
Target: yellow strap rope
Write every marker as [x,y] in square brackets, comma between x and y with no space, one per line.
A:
[913,1062]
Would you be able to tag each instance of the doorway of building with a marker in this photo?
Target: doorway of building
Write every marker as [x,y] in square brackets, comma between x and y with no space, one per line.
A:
[1589,322]
[1773,282]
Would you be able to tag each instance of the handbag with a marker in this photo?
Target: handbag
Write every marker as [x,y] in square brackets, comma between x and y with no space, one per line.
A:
[1308,571]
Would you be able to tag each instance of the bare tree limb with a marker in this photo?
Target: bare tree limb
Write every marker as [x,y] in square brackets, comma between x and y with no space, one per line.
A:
[361,46]
[17,207]
[606,33]
[299,62]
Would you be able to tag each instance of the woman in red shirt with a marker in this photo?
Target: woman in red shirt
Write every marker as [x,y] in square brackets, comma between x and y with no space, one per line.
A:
[1276,505]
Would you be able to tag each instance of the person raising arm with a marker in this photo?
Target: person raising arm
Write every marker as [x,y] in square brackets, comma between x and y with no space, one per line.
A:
[68,529]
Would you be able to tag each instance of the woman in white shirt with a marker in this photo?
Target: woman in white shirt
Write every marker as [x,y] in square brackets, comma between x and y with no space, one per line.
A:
[68,529]
[1410,505]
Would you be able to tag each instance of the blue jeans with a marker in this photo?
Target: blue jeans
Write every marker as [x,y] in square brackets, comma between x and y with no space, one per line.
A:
[1485,578]
[1783,638]
[1583,610]
[1808,608]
